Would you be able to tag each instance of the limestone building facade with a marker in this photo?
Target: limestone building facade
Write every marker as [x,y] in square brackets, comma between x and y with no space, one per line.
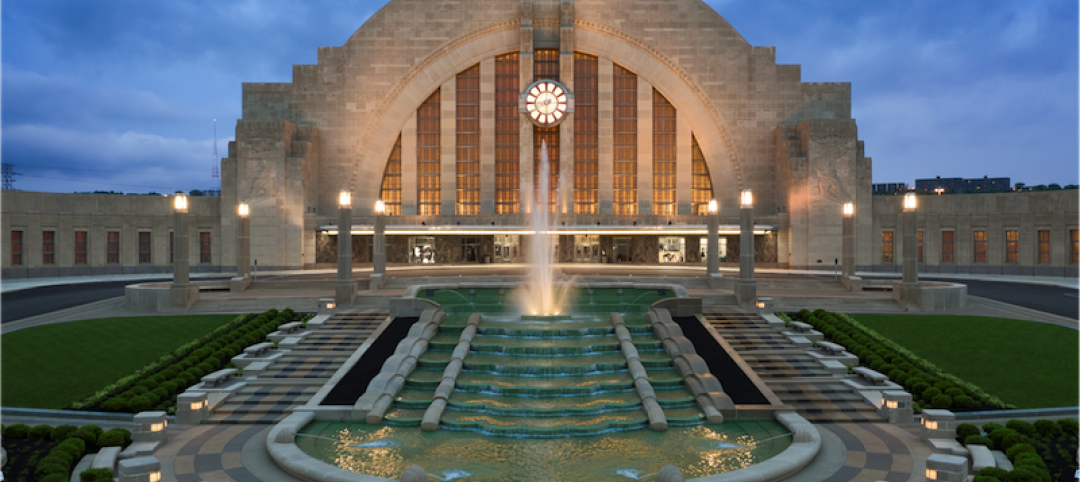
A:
[435,108]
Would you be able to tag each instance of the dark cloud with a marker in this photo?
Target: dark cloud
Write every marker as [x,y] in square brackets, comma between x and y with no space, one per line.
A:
[130,88]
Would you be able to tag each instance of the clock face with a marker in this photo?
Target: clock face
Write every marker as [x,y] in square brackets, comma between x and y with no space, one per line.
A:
[546,102]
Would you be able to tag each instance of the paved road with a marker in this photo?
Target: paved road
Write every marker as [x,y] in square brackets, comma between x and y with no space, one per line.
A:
[21,304]
[1051,299]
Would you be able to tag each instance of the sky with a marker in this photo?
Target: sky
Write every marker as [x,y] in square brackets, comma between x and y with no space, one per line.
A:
[122,94]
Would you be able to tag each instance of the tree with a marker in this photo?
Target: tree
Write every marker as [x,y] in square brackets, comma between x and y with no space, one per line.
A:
[1054,186]
[195,192]
[1020,186]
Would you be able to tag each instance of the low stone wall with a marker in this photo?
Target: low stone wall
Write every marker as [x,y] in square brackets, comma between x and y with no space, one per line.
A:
[805,444]
[156,297]
[931,296]
[281,444]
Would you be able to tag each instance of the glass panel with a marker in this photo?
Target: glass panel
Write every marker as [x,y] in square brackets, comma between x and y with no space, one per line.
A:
[624,122]
[980,246]
[1012,246]
[550,135]
[391,184]
[546,64]
[16,248]
[586,151]
[663,195]
[947,240]
[1044,246]
[468,141]
[204,247]
[700,182]
[886,246]
[144,246]
[48,253]
[507,147]
[428,156]
[80,247]
[112,247]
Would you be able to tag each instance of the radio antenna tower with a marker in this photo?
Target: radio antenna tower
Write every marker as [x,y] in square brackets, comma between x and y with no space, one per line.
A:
[9,174]
[215,174]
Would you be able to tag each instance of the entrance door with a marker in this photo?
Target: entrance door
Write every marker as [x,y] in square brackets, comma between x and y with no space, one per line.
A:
[620,252]
[506,248]
[586,248]
[422,249]
[672,250]
[470,250]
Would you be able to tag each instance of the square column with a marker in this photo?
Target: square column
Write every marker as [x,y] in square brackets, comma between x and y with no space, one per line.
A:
[378,273]
[345,288]
[847,257]
[712,250]
[182,293]
[746,286]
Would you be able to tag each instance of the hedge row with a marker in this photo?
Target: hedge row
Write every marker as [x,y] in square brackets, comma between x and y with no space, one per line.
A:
[1021,442]
[159,382]
[73,444]
[928,385]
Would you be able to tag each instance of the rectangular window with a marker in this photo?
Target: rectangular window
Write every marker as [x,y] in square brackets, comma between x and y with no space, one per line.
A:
[586,150]
[16,248]
[700,182]
[663,178]
[886,246]
[48,247]
[507,135]
[919,234]
[144,246]
[204,247]
[1074,246]
[624,123]
[112,247]
[546,64]
[1012,246]
[948,240]
[391,182]
[550,137]
[979,246]
[428,156]
[468,141]
[80,247]
[171,256]
[1044,246]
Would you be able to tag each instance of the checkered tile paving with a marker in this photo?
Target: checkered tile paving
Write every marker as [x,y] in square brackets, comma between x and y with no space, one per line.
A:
[794,376]
[295,377]
[874,453]
[215,456]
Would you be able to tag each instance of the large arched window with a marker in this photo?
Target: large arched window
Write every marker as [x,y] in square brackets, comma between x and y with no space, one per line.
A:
[468,141]
[586,145]
[625,127]
[700,182]
[663,147]
[428,156]
[391,182]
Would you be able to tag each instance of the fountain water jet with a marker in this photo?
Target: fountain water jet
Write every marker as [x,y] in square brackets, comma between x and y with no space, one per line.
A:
[543,298]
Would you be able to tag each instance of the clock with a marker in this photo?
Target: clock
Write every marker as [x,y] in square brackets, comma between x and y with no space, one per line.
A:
[547,102]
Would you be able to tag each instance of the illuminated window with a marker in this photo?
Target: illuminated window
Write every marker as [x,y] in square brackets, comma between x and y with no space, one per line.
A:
[663,178]
[204,247]
[550,136]
[48,247]
[586,152]
[80,247]
[1044,246]
[546,64]
[1074,246]
[886,246]
[919,235]
[468,141]
[391,181]
[948,241]
[979,246]
[1012,246]
[625,129]
[16,248]
[144,246]
[112,247]
[700,182]
[428,156]
[507,134]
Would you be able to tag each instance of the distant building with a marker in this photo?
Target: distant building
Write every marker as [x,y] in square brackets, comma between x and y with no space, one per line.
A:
[889,187]
[956,184]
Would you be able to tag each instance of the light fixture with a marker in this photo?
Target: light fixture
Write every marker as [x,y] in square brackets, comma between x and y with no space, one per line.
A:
[380,207]
[155,476]
[196,405]
[930,424]
[761,305]
[892,404]
[243,210]
[714,207]
[849,209]
[180,202]
[931,474]
[157,427]
[330,305]
[345,199]
[747,198]
[909,201]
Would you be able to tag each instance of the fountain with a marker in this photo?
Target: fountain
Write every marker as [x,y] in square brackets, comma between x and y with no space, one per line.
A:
[567,384]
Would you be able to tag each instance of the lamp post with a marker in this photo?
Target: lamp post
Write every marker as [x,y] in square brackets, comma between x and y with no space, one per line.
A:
[345,288]
[378,273]
[179,291]
[746,287]
[847,254]
[712,249]
[911,249]
[243,241]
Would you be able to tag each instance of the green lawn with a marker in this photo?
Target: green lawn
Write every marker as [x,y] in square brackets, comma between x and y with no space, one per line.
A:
[52,366]
[1027,364]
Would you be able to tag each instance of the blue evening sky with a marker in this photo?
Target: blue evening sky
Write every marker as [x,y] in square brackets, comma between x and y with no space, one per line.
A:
[121,94]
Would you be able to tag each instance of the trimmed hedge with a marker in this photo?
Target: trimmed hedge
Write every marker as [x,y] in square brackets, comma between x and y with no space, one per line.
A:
[1028,447]
[929,386]
[157,384]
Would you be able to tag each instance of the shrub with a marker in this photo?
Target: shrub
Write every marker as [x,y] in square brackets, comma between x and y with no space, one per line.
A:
[963,401]
[1030,459]
[149,383]
[1023,427]
[49,466]
[87,436]
[95,475]
[989,428]
[998,435]
[912,381]
[111,439]
[1048,428]
[1070,426]
[17,432]
[140,390]
[915,407]
[188,376]
[955,392]
[181,383]
[978,440]
[943,386]
[930,393]
[158,378]
[1020,448]
[161,392]
[55,478]
[184,365]
[965,430]
[78,445]
[941,401]
[63,432]
[1012,439]
[986,478]
[169,386]
[40,432]
[213,361]
[995,472]
[116,403]
[141,403]
[170,373]
[920,387]
[205,367]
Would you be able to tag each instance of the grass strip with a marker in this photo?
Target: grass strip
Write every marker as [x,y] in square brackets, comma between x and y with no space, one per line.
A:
[51,366]
[1026,364]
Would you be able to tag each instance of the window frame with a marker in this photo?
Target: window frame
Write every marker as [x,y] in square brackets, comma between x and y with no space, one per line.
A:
[112,247]
[1012,246]
[48,247]
[205,247]
[978,246]
[17,241]
[948,246]
[145,247]
[888,246]
[82,251]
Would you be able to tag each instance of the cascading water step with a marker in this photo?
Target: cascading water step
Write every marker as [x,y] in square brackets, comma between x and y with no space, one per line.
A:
[545,386]
[545,426]
[544,406]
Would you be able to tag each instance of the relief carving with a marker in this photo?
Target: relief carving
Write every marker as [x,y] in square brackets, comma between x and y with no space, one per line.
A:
[830,151]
